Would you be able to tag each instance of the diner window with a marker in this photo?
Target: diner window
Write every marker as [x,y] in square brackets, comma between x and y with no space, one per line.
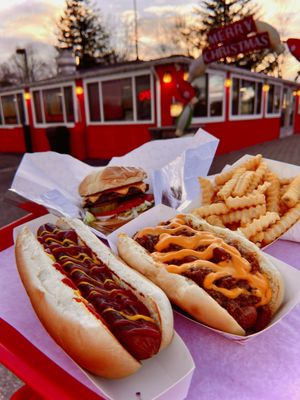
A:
[210,91]
[54,105]
[201,83]
[94,101]
[246,97]
[21,108]
[69,104]
[143,97]
[9,110]
[216,93]
[37,106]
[274,99]
[117,100]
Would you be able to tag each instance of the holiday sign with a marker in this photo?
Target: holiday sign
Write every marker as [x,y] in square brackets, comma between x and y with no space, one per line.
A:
[240,37]
[232,32]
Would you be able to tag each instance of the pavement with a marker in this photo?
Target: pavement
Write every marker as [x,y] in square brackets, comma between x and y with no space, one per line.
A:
[285,149]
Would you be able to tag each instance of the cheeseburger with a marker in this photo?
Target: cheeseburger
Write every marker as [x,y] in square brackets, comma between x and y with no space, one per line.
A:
[113,196]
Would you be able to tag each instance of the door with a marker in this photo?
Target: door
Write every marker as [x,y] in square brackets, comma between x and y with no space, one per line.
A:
[287,113]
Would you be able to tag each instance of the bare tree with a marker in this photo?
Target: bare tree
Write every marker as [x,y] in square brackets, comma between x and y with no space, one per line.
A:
[26,66]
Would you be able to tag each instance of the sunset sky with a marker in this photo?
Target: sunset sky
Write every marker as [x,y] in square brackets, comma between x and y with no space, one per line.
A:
[33,21]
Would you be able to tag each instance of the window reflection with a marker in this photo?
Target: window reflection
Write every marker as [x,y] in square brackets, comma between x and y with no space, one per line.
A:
[37,106]
[94,101]
[69,105]
[201,83]
[52,99]
[247,97]
[273,105]
[117,100]
[9,109]
[216,90]
[143,97]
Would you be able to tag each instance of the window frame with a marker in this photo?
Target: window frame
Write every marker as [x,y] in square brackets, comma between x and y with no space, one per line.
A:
[278,114]
[131,75]
[45,124]
[18,124]
[219,118]
[243,117]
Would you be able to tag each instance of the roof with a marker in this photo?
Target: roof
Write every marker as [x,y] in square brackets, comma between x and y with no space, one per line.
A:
[140,65]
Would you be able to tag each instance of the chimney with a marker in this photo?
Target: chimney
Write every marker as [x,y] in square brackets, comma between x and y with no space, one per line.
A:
[66,63]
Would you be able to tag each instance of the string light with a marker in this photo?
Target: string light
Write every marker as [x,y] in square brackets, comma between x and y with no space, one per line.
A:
[167,77]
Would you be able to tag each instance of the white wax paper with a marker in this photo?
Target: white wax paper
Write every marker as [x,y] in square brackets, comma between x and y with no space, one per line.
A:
[52,179]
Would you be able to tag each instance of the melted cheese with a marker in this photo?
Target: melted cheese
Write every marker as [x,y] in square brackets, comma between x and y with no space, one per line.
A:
[121,190]
[236,266]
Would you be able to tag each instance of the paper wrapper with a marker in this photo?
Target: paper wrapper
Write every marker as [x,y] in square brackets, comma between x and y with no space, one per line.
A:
[283,170]
[291,276]
[161,377]
[52,179]
[174,165]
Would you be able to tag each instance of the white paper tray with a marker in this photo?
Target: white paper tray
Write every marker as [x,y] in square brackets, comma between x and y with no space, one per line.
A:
[164,376]
[291,276]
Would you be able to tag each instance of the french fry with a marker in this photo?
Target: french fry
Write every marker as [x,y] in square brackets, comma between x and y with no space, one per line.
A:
[292,195]
[216,208]
[252,199]
[229,185]
[259,175]
[263,187]
[243,183]
[258,237]
[281,226]
[244,216]
[215,220]
[207,189]
[250,165]
[273,192]
[259,224]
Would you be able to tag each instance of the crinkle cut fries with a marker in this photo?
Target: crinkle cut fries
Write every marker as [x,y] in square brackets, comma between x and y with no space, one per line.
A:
[252,199]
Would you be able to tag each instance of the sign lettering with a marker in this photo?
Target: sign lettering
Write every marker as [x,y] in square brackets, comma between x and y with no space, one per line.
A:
[232,32]
[258,41]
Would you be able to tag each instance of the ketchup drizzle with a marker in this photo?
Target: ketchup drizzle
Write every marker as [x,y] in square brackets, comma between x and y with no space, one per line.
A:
[125,315]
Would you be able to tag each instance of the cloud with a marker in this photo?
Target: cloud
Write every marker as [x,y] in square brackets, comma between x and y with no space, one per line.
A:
[23,24]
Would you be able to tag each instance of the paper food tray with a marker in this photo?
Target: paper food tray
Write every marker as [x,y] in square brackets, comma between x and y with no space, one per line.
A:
[283,170]
[291,276]
[165,376]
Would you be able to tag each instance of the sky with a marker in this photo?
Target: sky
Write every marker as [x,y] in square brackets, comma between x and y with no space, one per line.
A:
[33,21]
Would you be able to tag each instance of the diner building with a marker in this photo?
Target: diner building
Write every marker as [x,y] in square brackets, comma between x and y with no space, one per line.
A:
[109,111]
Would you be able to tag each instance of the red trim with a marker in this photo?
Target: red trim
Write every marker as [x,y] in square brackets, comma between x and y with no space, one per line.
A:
[6,232]
[42,375]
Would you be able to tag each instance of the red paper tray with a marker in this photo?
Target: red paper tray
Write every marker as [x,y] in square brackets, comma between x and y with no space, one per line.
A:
[43,378]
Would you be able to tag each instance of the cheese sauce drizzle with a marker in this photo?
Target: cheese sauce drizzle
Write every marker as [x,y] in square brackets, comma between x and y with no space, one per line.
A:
[200,246]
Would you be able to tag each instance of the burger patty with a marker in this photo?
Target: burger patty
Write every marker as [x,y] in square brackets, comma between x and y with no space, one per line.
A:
[112,197]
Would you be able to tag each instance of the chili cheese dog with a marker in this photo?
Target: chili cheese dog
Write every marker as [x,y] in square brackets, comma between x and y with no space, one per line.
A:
[106,316]
[215,275]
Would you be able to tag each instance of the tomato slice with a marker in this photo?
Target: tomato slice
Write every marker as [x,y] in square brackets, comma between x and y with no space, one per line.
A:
[125,205]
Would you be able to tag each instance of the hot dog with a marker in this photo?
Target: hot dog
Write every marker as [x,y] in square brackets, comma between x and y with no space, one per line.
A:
[106,316]
[215,275]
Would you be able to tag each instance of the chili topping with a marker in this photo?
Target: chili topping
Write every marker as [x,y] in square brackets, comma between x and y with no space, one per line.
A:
[228,273]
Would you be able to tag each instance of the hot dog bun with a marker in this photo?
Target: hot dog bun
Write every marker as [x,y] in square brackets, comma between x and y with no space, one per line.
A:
[65,314]
[188,295]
